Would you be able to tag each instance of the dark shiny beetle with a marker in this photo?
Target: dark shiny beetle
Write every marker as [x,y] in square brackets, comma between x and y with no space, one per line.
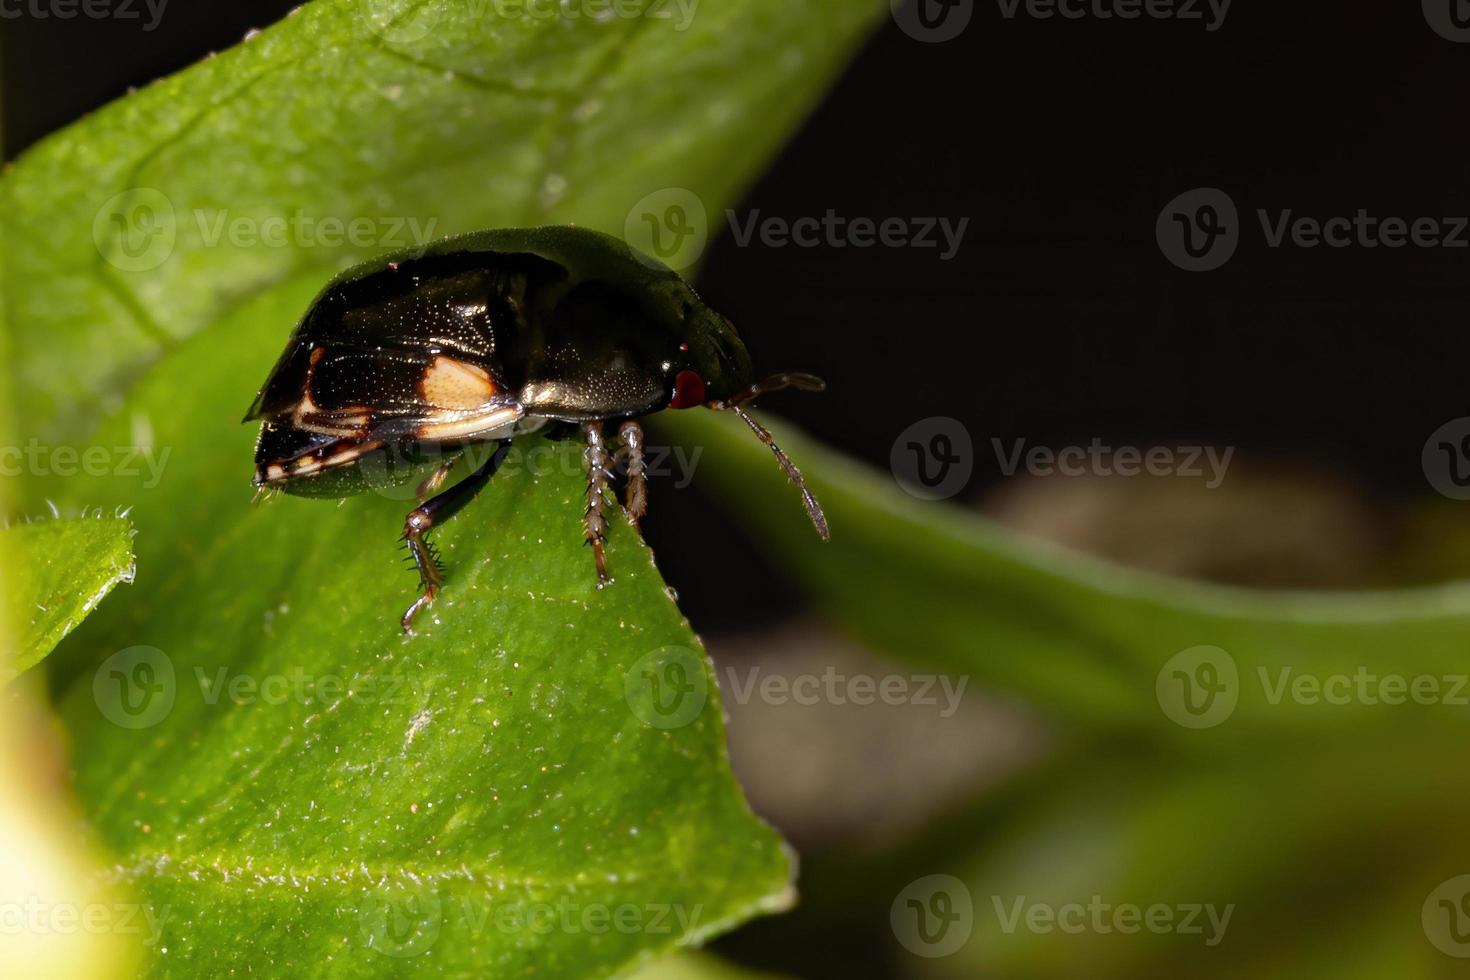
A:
[410,361]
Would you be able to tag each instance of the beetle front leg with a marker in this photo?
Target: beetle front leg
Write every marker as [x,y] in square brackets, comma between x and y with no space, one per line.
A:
[635,497]
[429,515]
[594,524]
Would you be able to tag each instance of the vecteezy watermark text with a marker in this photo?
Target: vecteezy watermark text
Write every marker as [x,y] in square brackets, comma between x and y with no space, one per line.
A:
[834,687]
[302,230]
[38,459]
[1098,459]
[835,231]
[1362,230]
[408,923]
[404,21]
[1101,918]
[89,9]
[38,917]
[1200,230]
[136,230]
[1211,12]
[1201,687]
[138,687]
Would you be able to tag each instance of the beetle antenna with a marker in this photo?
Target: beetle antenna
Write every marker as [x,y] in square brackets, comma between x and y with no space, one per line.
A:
[813,509]
[778,382]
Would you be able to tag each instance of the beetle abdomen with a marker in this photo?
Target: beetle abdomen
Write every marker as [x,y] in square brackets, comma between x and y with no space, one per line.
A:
[310,464]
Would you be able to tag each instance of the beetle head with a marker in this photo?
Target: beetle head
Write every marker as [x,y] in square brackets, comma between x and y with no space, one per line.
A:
[717,374]
[704,362]
[712,363]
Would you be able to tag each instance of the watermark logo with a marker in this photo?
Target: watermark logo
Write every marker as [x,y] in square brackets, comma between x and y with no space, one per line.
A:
[667,688]
[1098,459]
[302,230]
[932,21]
[1450,19]
[833,687]
[89,9]
[399,470]
[1201,687]
[833,230]
[1446,916]
[1102,918]
[1199,230]
[670,225]
[1446,458]
[407,21]
[39,917]
[1363,686]
[135,230]
[135,688]
[933,916]
[400,923]
[38,459]
[1211,12]
[933,459]
[1198,687]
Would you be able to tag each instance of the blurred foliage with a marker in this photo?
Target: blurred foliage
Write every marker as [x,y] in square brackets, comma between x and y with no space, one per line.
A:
[69,567]
[1314,811]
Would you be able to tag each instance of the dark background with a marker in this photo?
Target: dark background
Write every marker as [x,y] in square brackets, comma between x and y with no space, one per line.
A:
[1059,320]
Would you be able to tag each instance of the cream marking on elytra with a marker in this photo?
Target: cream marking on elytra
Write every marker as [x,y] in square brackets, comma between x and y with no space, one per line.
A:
[448,383]
[308,465]
[482,424]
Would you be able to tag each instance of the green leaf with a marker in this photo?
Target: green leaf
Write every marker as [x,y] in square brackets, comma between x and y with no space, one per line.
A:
[439,112]
[1349,807]
[695,966]
[56,572]
[1093,642]
[295,784]
[295,787]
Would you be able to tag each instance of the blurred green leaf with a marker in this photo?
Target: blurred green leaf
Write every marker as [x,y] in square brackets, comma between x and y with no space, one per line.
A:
[57,573]
[1322,814]
[295,786]
[695,966]
[1096,643]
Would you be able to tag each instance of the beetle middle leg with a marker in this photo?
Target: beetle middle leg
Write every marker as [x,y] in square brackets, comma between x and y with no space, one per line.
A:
[433,512]
[635,497]
[599,472]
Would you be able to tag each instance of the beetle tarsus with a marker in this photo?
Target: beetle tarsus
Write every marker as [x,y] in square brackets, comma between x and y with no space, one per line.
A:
[594,523]
[422,602]
[431,575]
[635,496]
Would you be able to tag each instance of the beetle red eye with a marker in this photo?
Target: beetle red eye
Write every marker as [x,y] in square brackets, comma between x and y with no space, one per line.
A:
[688,390]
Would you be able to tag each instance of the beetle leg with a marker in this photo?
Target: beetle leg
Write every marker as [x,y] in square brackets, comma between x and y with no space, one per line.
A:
[594,525]
[435,480]
[635,497]
[429,515]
